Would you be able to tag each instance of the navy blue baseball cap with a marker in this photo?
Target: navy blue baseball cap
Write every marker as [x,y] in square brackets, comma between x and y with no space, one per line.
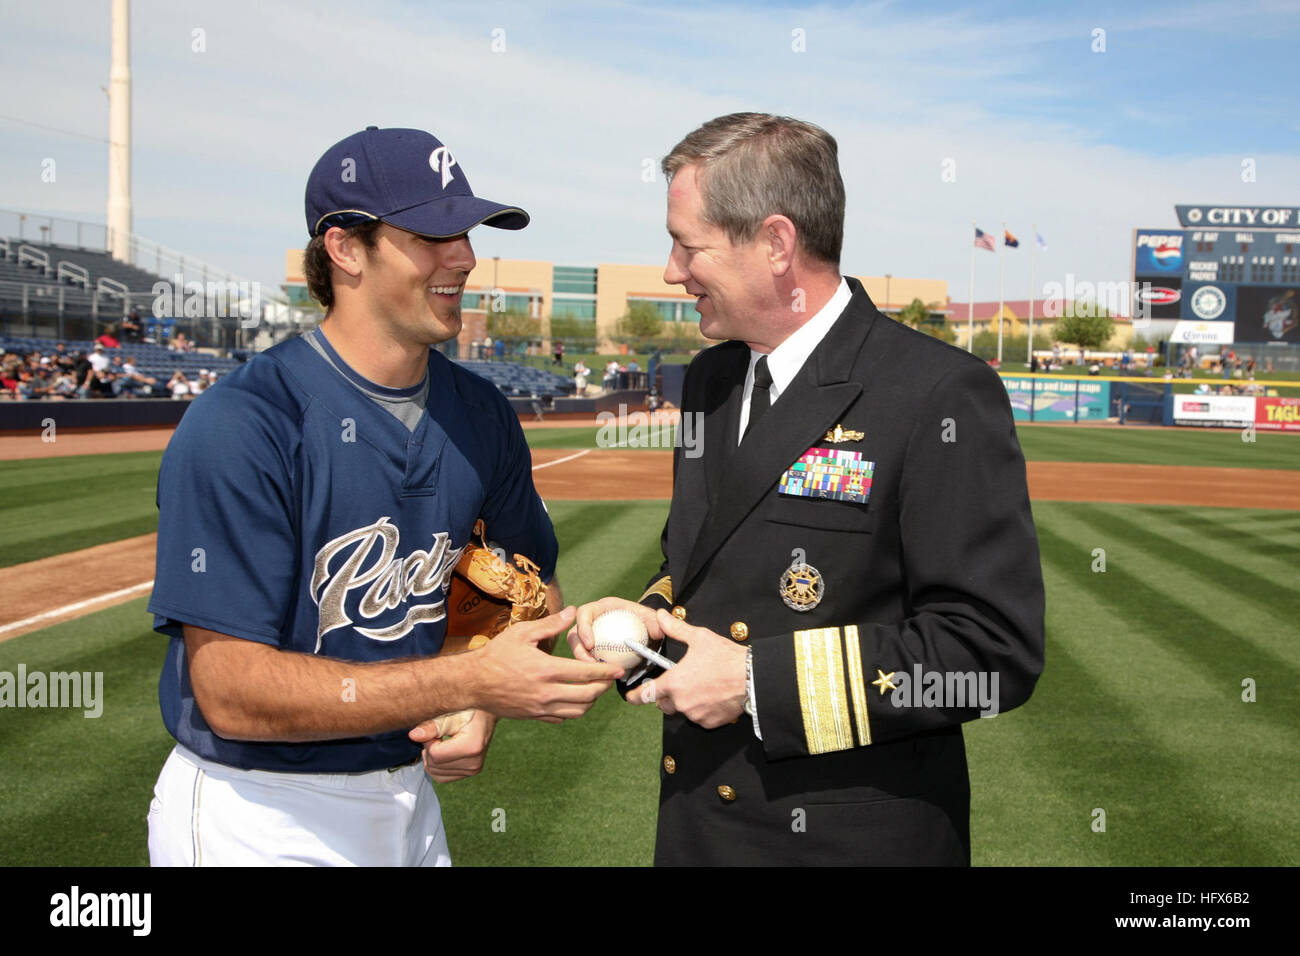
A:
[405,177]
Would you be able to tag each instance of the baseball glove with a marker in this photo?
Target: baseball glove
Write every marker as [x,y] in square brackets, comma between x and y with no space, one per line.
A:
[486,596]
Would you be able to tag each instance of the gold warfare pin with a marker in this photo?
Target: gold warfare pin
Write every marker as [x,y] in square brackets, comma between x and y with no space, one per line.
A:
[840,434]
[801,587]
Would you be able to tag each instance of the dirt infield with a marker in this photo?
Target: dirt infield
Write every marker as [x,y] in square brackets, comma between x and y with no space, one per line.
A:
[41,593]
[89,441]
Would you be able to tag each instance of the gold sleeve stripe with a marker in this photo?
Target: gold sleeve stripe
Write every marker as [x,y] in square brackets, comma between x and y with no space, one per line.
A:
[819,668]
[663,587]
[857,684]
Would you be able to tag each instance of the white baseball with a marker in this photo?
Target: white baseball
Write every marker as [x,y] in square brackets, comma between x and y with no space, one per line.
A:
[609,631]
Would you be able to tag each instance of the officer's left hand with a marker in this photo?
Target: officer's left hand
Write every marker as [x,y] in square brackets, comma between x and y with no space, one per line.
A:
[708,685]
[460,755]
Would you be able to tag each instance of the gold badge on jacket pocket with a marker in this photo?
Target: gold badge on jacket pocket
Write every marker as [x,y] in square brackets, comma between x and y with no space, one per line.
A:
[833,473]
[802,587]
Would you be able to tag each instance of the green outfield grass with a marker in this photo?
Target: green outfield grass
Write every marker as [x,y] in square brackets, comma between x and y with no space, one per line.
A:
[52,505]
[1139,714]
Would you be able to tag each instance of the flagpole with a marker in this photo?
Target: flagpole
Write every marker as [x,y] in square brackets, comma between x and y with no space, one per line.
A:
[1032,258]
[970,315]
[1002,281]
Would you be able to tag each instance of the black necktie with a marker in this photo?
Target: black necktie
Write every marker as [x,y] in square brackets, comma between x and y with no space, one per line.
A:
[760,399]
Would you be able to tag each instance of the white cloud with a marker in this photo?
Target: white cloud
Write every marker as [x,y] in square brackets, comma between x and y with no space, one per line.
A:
[561,122]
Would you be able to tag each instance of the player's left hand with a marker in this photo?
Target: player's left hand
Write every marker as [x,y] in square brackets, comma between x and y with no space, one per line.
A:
[708,684]
[460,755]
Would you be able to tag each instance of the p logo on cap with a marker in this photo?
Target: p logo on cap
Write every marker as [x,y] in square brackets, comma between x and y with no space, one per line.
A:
[441,161]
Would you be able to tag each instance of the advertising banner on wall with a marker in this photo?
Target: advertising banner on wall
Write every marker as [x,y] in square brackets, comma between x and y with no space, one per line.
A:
[1214,411]
[1277,414]
[1054,400]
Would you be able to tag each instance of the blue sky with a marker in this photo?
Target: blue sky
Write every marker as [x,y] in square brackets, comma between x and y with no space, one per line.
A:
[1039,126]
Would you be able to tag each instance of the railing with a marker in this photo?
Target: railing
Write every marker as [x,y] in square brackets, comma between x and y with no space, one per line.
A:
[70,270]
[149,256]
[114,288]
[37,257]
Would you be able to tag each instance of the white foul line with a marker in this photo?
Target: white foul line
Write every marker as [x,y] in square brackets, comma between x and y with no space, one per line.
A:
[68,608]
[561,461]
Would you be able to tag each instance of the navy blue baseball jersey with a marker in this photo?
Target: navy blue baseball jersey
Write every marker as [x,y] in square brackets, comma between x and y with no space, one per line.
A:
[295,511]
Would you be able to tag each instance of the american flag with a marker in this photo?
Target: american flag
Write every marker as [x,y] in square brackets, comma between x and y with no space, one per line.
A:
[983,240]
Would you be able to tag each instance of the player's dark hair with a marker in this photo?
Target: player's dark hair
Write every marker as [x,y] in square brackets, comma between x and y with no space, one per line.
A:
[316,261]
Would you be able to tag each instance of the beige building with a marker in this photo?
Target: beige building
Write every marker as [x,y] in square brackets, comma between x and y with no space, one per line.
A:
[541,290]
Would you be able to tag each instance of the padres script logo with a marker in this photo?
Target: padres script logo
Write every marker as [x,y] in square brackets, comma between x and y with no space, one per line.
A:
[392,580]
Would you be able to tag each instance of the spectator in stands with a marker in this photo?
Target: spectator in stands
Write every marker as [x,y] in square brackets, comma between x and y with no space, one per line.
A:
[179,385]
[65,385]
[580,373]
[178,343]
[98,360]
[100,385]
[558,352]
[8,380]
[499,348]
[632,366]
[487,347]
[131,330]
[1250,367]
[1033,364]
[610,379]
[131,382]
[109,338]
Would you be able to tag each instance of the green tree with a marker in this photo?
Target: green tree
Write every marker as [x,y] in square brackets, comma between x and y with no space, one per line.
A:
[641,321]
[915,314]
[512,325]
[1085,324]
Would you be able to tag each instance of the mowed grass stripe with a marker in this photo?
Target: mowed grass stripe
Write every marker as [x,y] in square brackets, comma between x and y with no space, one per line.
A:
[553,783]
[51,506]
[1220,652]
[75,790]
[1165,446]
[1250,599]
[1123,725]
[1267,534]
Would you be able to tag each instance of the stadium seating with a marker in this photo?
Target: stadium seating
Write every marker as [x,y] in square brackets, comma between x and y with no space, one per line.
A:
[520,380]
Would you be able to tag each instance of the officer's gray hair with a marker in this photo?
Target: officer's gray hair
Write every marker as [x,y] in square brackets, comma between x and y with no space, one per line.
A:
[754,165]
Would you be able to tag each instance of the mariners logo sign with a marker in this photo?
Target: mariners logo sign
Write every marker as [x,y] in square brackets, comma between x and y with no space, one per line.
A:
[1208,302]
[388,581]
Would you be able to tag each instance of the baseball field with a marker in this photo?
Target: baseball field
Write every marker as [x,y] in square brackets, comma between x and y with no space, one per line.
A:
[1165,728]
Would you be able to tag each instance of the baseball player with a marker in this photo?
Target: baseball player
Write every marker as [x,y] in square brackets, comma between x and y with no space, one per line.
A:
[312,510]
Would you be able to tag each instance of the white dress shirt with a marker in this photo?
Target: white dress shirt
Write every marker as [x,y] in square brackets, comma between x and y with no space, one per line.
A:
[786,359]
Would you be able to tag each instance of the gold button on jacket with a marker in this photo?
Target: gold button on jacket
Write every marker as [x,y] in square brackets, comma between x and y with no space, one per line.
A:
[679,612]
[739,631]
[670,765]
[726,793]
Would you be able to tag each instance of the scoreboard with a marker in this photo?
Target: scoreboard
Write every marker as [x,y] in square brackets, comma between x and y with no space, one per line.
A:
[1231,274]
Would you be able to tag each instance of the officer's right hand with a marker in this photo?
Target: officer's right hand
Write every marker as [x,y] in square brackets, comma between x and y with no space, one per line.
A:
[515,678]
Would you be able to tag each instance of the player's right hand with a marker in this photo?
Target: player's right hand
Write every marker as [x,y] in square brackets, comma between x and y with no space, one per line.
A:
[515,678]
[581,640]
